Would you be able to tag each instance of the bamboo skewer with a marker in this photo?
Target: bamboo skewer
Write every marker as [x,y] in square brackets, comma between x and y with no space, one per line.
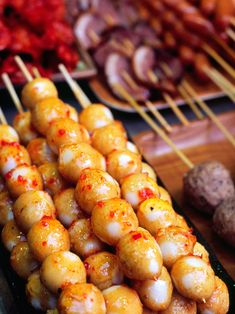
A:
[3,119]
[224,64]
[209,112]
[158,116]
[230,52]
[12,92]
[23,68]
[226,82]
[36,72]
[152,124]
[231,33]
[76,89]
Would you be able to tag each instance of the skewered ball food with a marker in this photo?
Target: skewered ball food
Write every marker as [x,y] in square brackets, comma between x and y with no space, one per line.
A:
[95,116]
[23,178]
[164,195]
[32,206]
[121,163]
[93,186]
[193,278]
[72,113]
[22,260]
[109,137]
[37,90]
[207,185]
[103,270]
[156,294]
[132,147]
[38,295]
[22,124]
[140,256]
[81,298]
[46,111]
[112,219]
[65,131]
[67,209]
[199,250]
[46,237]
[11,235]
[138,187]
[6,205]
[40,152]
[60,269]
[73,158]
[218,302]
[174,243]
[8,134]
[121,299]
[149,170]
[154,213]
[224,220]
[83,240]
[52,180]
[11,156]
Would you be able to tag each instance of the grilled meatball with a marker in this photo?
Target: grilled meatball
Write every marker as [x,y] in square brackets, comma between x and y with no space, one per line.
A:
[207,185]
[39,151]
[8,134]
[22,124]
[224,220]
[11,235]
[6,205]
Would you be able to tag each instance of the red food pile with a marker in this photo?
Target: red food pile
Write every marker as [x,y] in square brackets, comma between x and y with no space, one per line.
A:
[38,32]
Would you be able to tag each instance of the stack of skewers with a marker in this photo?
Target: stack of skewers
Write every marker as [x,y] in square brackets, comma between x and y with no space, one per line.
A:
[89,192]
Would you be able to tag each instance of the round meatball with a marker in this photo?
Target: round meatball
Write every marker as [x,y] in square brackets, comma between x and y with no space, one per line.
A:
[138,187]
[156,294]
[218,302]
[37,90]
[30,207]
[122,163]
[180,305]
[103,270]
[181,222]
[52,180]
[224,220]
[22,179]
[6,205]
[83,240]
[132,147]
[22,124]
[93,186]
[60,269]
[11,235]
[193,278]
[149,171]
[199,250]
[81,298]
[207,185]
[174,243]
[40,152]
[140,256]
[154,214]
[65,131]
[46,237]
[108,138]
[38,295]
[8,134]
[112,219]
[164,195]
[67,209]
[95,116]
[121,299]
[73,158]
[46,111]
[22,260]
[72,113]
[11,156]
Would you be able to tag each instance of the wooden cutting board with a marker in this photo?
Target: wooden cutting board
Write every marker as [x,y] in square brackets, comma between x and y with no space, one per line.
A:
[200,141]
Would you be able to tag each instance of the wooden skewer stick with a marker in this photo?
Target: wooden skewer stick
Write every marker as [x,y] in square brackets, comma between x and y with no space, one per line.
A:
[76,89]
[152,124]
[12,92]
[224,64]
[230,52]
[124,50]
[232,21]
[221,77]
[23,68]
[129,80]
[153,77]
[109,19]
[231,33]
[158,116]
[209,112]
[94,37]
[36,72]
[3,119]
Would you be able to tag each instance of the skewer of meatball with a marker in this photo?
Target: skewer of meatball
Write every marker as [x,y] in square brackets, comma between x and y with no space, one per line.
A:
[82,177]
